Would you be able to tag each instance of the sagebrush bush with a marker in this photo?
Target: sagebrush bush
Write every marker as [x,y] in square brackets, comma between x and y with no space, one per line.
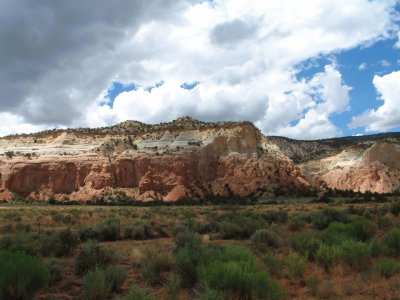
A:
[386,267]
[141,231]
[273,263]
[106,231]
[186,264]
[116,276]
[329,256]
[395,208]
[137,231]
[63,243]
[92,255]
[263,238]
[296,223]
[392,241]
[67,243]
[322,219]
[307,244]
[378,248]
[21,242]
[137,293]
[360,230]
[154,264]
[363,230]
[384,223]
[21,275]
[240,226]
[277,217]
[95,285]
[356,254]
[187,238]
[296,265]
[173,286]
[210,294]
[234,272]
[20,227]
[56,270]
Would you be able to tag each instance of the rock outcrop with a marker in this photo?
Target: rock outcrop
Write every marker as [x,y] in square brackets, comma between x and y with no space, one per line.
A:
[188,159]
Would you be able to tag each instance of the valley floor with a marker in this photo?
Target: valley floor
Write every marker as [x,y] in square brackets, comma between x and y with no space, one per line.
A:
[294,249]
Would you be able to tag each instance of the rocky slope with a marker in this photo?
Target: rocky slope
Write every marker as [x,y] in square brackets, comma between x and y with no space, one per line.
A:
[189,159]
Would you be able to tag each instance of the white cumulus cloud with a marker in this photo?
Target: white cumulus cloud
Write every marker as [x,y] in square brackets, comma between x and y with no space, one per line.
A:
[386,116]
[57,65]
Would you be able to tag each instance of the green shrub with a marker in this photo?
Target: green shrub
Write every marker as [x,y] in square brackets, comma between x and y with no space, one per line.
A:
[395,208]
[137,293]
[21,242]
[63,243]
[296,223]
[363,230]
[56,270]
[313,284]
[273,263]
[230,230]
[356,254]
[296,265]
[92,255]
[87,233]
[263,238]
[235,273]
[116,276]
[392,241]
[240,226]
[154,264]
[307,244]
[186,263]
[328,256]
[67,243]
[378,248]
[385,223]
[277,217]
[186,238]
[21,275]
[20,227]
[107,231]
[386,267]
[95,285]
[136,232]
[141,231]
[7,228]
[336,233]
[173,286]
[212,295]
[322,219]
[360,230]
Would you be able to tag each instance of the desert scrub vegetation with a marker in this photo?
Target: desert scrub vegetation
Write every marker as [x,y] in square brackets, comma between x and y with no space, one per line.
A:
[21,275]
[279,249]
[154,264]
[264,238]
[93,255]
[231,271]
[240,226]
[106,231]
[386,267]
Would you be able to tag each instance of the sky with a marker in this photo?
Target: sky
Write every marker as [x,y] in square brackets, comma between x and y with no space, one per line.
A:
[306,69]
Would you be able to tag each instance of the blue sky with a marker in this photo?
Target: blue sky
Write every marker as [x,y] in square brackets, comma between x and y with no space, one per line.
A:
[358,67]
[305,70]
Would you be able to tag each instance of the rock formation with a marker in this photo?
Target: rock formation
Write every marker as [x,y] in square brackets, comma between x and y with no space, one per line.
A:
[189,159]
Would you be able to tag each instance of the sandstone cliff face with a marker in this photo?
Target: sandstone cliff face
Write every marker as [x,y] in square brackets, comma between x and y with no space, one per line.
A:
[186,159]
[374,168]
